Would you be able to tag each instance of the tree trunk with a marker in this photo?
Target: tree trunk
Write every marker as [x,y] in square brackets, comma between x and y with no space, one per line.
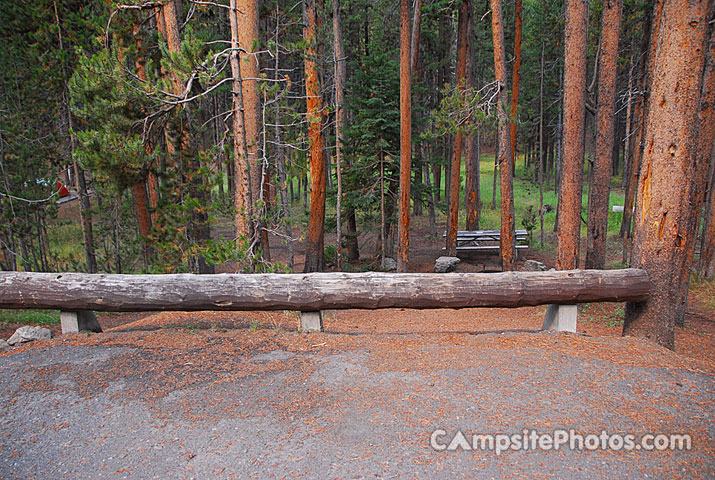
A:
[351,242]
[86,220]
[414,59]
[383,240]
[437,179]
[601,178]
[170,30]
[449,151]
[495,173]
[679,123]
[197,228]
[415,38]
[340,77]
[305,191]
[558,147]
[314,261]
[85,209]
[515,81]
[629,123]
[403,249]
[541,148]
[706,268]
[574,110]
[267,194]
[281,158]
[247,25]
[702,157]
[639,121]
[549,160]
[430,192]
[471,145]
[465,10]
[141,200]
[472,201]
[507,240]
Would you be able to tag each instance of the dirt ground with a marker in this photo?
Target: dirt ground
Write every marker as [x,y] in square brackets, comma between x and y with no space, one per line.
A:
[245,395]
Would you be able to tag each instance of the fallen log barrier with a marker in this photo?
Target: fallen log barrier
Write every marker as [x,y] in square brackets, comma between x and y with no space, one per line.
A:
[79,293]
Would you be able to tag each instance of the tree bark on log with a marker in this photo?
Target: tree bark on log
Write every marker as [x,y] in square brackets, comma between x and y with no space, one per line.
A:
[316,291]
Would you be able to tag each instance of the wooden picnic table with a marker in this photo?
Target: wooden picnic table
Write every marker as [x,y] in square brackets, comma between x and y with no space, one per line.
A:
[486,240]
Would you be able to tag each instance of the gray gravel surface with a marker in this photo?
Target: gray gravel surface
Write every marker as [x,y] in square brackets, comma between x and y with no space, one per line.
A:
[335,415]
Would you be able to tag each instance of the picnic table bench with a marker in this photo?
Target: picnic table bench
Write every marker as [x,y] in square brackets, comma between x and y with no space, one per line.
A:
[486,240]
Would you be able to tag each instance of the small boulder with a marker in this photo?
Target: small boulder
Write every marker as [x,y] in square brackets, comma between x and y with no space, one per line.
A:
[446,264]
[28,334]
[534,266]
[389,264]
[4,346]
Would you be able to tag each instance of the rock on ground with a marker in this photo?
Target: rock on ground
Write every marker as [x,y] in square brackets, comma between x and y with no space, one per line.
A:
[389,264]
[28,334]
[4,346]
[446,264]
[534,266]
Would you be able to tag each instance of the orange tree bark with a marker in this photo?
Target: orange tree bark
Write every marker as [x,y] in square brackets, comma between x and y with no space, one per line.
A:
[507,241]
[672,177]
[142,201]
[403,246]
[247,18]
[161,12]
[637,136]
[515,80]
[314,102]
[702,157]
[242,199]
[453,221]
[601,177]
[173,41]
[471,147]
[569,213]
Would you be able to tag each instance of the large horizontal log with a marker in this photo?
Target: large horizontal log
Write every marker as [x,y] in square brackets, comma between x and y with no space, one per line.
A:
[317,291]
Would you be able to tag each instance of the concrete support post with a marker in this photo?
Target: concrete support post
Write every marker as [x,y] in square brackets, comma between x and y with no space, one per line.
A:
[562,318]
[81,320]
[311,321]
